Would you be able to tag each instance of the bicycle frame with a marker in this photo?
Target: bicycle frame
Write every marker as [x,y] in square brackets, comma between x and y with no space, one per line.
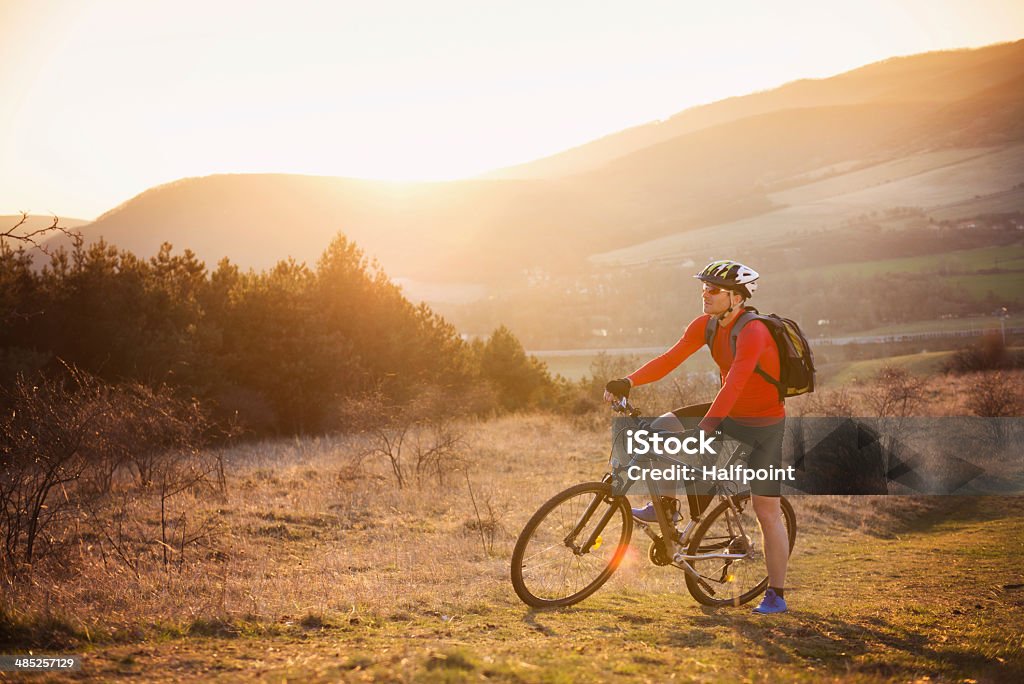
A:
[671,542]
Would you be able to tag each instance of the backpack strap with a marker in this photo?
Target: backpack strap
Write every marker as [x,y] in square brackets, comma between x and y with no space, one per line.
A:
[741,322]
[737,327]
[709,330]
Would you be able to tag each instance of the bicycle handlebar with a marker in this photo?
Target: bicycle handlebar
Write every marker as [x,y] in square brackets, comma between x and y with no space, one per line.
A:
[624,407]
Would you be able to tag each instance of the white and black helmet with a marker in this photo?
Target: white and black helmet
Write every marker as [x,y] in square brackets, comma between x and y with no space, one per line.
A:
[730,275]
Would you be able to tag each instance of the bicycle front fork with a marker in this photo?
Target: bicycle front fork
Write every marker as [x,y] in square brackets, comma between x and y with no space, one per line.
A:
[581,524]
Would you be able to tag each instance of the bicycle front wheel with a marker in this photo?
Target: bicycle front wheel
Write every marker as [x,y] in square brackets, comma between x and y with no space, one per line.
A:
[571,546]
[734,530]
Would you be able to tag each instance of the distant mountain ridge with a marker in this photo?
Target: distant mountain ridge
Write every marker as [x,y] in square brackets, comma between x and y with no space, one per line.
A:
[933,77]
[730,164]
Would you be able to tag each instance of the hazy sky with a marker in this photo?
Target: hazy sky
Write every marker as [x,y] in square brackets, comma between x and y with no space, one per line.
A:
[101,100]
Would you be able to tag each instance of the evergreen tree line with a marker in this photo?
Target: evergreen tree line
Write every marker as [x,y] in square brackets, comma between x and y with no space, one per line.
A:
[280,351]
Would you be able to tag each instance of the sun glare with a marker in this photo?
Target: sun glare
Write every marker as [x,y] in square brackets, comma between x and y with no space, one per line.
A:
[116,96]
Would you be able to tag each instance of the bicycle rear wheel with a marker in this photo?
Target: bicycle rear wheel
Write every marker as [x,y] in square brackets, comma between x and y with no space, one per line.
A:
[571,546]
[733,531]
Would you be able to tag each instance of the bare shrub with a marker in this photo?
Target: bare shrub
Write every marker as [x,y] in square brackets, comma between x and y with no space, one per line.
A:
[43,454]
[677,390]
[989,354]
[418,440]
[895,393]
[74,449]
[488,510]
[605,367]
[996,395]
[694,388]
[830,403]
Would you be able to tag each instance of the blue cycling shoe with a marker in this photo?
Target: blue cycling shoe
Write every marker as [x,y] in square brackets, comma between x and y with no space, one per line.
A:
[647,514]
[771,603]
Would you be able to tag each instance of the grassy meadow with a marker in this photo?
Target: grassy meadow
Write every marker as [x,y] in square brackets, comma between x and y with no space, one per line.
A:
[318,568]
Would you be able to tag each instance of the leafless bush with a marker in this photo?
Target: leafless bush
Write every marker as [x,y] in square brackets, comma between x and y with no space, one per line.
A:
[989,354]
[127,534]
[72,447]
[42,456]
[488,512]
[895,393]
[436,448]
[673,392]
[831,403]
[419,440]
[606,367]
[996,395]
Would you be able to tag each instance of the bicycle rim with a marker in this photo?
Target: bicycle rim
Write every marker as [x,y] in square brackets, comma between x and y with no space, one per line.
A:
[550,566]
[725,530]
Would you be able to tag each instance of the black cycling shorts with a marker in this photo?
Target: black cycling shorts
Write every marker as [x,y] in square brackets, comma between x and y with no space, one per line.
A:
[765,443]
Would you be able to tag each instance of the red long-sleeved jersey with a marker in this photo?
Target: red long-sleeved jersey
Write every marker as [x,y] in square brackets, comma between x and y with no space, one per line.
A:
[745,396]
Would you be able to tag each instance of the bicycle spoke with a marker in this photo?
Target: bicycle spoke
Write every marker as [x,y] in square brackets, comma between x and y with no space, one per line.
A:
[553,546]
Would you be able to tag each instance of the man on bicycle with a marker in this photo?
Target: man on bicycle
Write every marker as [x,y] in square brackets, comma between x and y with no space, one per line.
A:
[746,408]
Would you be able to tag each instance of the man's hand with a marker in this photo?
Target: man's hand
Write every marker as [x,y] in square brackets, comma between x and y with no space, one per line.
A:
[617,389]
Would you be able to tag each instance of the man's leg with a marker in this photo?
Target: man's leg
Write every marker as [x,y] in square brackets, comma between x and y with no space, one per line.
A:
[766,452]
[776,540]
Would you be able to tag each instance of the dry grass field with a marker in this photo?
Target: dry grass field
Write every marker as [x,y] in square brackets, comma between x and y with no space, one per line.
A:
[317,567]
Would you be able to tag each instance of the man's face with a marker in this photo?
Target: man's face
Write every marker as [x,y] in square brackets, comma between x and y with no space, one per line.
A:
[716,300]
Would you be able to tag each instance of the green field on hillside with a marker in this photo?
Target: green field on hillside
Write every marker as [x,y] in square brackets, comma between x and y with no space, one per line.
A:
[950,324]
[981,284]
[960,262]
[925,363]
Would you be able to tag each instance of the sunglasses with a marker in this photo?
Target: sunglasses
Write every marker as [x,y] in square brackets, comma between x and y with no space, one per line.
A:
[713,290]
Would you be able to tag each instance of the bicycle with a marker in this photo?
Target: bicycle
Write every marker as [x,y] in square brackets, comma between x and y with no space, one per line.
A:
[563,556]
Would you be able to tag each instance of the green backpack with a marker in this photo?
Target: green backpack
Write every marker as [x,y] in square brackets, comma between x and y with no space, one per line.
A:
[796,362]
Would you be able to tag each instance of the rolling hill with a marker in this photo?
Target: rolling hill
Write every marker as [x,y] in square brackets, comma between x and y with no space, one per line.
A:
[437,231]
[946,127]
[936,78]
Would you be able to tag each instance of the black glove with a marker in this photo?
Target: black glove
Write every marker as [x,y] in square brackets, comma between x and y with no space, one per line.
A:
[619,388]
